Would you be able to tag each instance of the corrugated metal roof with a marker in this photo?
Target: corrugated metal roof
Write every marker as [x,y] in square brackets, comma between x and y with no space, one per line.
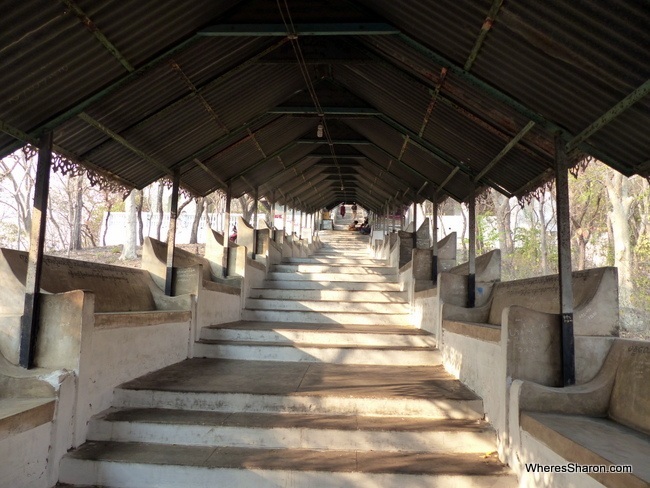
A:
[215,99]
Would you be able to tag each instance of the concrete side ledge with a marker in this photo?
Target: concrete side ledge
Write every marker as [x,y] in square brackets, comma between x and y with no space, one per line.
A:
[482,332]
[22,414]
[139,319]
[222,288]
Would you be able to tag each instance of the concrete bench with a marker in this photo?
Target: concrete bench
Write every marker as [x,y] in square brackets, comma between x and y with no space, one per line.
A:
[595,301]
[218,299]
[121,295]
[605,421]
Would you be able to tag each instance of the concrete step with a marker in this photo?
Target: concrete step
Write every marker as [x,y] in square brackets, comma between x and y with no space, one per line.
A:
[323,334]
[336,260]
[370,278]
[124,464]
[357,296]
[333,268]
[378,319]
[305,352]
[330,285]
[327,306]
[292,431]
[224,385]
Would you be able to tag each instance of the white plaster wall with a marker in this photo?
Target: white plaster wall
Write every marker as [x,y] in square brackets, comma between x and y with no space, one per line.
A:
[424,311]
[24,457]
[481,367]
[122,354]
[216,308]
[533,451]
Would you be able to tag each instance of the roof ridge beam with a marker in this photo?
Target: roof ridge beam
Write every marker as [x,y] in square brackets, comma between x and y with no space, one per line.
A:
[307,29]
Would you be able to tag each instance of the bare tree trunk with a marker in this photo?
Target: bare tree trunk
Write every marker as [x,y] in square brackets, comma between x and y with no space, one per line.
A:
[621,202]
[138,206]
[130,236]
[159,208]
[542,235]
[77,208]
[502,210]
[108,215]
[200,205]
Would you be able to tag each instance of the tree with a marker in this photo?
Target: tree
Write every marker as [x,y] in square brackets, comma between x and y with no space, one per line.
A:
[18,180]
[200,206]
[620,200]
[247,202]
[502,212]
[130,235]
[159,208]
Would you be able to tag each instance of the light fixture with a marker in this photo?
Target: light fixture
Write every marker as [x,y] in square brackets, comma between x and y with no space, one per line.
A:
[319,130]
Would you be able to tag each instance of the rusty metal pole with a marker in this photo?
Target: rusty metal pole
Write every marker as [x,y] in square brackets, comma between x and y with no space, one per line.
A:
[226,232]
[415,225]
[255,205]
[471,277]
[284,221]
[31,310]
[434,264]
[171,235]
[564,261]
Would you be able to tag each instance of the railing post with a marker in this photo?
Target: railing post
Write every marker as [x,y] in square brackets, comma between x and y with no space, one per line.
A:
[171,235]
[564,261]
[471,277]
[31,309]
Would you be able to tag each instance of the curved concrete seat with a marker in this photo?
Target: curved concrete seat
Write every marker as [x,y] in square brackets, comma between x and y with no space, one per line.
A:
[605,421]
[116,288]
[595,301]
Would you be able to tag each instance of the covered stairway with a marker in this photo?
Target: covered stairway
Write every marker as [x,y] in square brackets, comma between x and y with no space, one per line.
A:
[325,383]
[308,105]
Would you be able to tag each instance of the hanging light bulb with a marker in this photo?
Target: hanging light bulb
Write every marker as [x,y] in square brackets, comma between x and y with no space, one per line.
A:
[319,130]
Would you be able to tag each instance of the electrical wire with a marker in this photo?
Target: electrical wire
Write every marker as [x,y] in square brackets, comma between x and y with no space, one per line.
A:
[302,64]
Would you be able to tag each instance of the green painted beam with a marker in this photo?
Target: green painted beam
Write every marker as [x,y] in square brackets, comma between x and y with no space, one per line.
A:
[122,141]
[505,150]
[103,93]
[90,25]
[262,30]
[496,94]
[485,28]
[610,115]
[263,161]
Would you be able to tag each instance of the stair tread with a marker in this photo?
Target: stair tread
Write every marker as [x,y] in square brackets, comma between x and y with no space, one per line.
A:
[295,420]
[466,464]
[324,328]
[316,345]
[203,375]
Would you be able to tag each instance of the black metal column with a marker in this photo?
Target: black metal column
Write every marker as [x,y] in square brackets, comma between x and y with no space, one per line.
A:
[255,205]
[29,321]
[171,235]
[434,264]
[226,232]
[564,261]
[415,225]
[471,277]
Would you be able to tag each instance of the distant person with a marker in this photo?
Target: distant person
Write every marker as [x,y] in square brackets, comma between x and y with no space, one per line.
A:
[365,227]
[342,211]
[354,211]
[233,236]
[353,225]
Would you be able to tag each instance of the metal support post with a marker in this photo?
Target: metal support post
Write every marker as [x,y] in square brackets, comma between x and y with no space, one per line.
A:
[284,220]
[226,232]
[564,261]
[434,264]
[293,221]
[415,225]
[171,235]
[255,205]
[31,310]
[471,277]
